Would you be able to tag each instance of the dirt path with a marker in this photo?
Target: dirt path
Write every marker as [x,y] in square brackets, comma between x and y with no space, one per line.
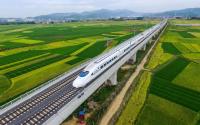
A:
[112,109]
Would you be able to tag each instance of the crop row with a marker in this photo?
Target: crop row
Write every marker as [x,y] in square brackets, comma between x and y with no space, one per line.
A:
[66,50]
[181,47]
[169,47]
[74,61]
[100,46]
[51,34]
[94,50]
[175,93]
[171,70]
[19,56]
[11,45]
[34,66]
[185,34]
[26,61]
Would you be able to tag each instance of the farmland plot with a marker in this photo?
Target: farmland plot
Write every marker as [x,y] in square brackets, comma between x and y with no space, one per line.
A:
[33,54]
[174,93]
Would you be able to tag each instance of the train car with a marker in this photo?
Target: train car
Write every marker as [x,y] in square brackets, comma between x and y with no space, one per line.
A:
[94,69]
[99,65]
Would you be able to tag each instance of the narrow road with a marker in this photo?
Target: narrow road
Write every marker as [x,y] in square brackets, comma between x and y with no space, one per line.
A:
[112,109]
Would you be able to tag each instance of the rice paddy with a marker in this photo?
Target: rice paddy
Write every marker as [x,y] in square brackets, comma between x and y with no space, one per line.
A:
[33,54]
[174,92]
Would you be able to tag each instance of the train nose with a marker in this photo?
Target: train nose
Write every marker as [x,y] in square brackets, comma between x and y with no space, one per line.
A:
[75,84]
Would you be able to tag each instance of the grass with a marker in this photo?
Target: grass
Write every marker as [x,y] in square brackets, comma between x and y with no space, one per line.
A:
[192,56]
[93,50]
[26,41]
[5,83]
[74,61]
[51,34]
[101,95]
[168,47]
[19,56]
[67,50]
[11,45]
[177,94]
[161,111]
[182,48]
[24,62]
[185,34]
[27,52]
[34,66]
[194,48]
[136,101]
[33,79]
[189,77]
[161,56]
[174,96]
[172,69]
[184,21]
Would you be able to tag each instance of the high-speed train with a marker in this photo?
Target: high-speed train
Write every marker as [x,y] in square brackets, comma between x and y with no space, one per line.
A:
[97,66]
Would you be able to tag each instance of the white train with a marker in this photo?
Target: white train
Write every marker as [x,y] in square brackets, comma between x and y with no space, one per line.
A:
[97,66]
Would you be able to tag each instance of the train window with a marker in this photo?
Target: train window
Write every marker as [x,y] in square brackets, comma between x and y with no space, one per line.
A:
[83,73]
[101,66]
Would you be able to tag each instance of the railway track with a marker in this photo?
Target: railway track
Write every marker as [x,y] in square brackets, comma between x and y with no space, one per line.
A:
[43,105]
[47,103]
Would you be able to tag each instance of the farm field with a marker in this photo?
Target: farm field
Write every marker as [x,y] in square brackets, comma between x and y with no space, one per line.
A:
[137,99]
[159,110]
[33,54]
[174,91]
[173,97]
[184,21]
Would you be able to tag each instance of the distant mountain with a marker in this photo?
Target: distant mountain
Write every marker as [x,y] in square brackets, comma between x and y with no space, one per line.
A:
[98,14]
[189,12]
[106,14]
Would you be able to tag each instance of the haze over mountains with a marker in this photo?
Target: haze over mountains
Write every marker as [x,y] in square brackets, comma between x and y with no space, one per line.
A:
[106,14]
[102,14]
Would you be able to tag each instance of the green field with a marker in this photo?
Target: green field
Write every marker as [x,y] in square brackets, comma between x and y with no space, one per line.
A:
[31,54]
[184,21]
[174,92]
[158,111]
[134,105]
[175,64]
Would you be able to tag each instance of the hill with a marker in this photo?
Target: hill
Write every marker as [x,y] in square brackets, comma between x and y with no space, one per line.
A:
[189,12]
[106,14]
[98,14]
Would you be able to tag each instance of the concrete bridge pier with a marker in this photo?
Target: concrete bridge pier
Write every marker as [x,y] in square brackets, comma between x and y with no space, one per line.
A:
[112,80]
[154,37]
[150,41]
[144,47]
[133,59]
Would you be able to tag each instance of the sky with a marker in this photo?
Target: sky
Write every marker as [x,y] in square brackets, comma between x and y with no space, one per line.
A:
[30,8]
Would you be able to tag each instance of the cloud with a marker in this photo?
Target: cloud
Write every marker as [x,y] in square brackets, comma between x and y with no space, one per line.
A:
[24,8]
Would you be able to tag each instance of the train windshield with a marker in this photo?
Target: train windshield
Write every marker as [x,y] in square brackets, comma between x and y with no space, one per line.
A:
[83,73]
